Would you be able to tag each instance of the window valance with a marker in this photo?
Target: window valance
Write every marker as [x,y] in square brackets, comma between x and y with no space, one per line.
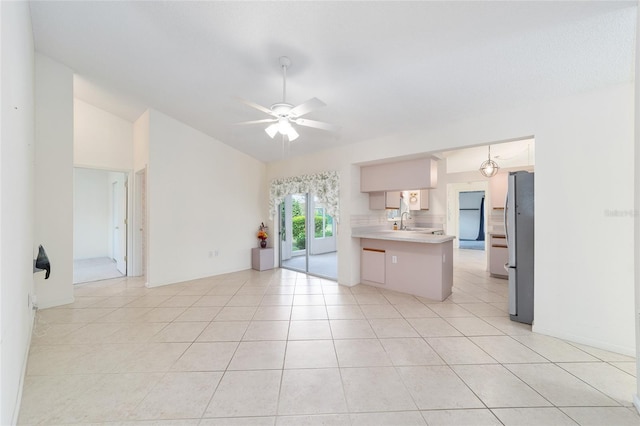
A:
[325,186]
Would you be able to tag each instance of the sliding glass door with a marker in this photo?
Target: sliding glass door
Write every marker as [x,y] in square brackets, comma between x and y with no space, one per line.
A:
[293,232]
[307,245]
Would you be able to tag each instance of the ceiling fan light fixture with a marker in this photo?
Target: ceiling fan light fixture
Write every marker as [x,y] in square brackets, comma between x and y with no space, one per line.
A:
[292,134]
[272,130]
[489,168]
[285,116]
[284,126]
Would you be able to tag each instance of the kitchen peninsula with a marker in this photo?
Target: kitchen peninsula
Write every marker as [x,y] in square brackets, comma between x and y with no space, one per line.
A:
[416,262]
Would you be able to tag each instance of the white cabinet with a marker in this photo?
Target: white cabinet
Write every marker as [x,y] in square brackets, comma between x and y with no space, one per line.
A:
[417,199]
[421,269]
[262,258]
[417,173]
[372,265]
[376,200]
[384,200]
[424,199]
[392,200]
[498,255]
[412,199]
[498,188]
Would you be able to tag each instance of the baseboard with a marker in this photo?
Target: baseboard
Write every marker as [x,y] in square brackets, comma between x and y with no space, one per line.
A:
[185,279]
[58,302]
[629,351]
[23,374]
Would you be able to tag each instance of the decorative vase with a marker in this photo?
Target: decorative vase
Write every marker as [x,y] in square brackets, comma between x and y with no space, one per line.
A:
[263,243]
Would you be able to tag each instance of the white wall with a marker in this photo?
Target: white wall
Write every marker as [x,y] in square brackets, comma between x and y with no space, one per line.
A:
[203,196]
[584,254]
[16,211]
[101,139]
[54,178]
[141,142]
[91,214]
[584,258]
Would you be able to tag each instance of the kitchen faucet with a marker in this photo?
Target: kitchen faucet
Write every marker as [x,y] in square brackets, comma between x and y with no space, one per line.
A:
[403,227]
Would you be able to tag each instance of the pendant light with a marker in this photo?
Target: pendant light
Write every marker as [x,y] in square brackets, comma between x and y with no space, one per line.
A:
[489,168]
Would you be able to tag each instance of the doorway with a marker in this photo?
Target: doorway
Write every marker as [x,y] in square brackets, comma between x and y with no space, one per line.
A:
[99,224]
[456,223]
[307,245]
[471,220]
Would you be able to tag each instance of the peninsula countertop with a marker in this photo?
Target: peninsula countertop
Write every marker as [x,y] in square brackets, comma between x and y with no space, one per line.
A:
[411,236]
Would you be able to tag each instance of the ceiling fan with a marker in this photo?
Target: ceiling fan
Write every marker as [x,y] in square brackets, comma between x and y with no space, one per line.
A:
[285,115]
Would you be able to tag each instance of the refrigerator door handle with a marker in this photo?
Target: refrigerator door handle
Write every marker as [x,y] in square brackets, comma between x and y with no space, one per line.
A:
[506,221]
[510,225]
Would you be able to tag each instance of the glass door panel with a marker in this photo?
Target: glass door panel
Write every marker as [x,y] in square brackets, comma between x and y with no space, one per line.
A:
[293,232]
[322,242]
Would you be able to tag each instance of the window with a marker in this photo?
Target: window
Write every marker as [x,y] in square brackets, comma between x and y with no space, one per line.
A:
[323,223]
[393,214]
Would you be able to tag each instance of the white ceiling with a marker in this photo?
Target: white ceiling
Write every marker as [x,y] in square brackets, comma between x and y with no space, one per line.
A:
[382,68]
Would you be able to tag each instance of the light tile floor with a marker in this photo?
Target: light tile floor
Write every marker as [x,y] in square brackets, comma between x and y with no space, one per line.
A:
[280,347]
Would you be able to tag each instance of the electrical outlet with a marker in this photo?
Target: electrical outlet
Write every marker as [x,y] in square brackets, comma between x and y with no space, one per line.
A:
[32,301]
[215,253]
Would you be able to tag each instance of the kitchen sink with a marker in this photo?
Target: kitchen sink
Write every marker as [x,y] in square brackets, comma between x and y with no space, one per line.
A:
[425,230]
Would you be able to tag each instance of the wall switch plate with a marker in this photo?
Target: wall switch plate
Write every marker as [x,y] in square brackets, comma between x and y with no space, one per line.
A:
[394,259]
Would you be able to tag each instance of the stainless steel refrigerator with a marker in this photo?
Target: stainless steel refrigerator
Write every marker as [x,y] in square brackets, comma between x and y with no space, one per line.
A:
[519,225]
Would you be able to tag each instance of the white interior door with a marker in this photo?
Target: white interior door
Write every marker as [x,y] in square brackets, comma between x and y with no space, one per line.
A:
[119,215]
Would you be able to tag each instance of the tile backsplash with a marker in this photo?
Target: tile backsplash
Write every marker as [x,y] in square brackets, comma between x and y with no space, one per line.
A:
[379,219]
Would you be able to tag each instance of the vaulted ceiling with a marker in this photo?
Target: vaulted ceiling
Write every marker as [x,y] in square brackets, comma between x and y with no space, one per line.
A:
[382,68]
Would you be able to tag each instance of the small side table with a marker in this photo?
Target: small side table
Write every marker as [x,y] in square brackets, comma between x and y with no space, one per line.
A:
[262,258]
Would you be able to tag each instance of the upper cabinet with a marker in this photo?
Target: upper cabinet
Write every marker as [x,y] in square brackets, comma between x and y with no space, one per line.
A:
[421,173]
[424,199]
[498,187]
[417,199]
[392,200]
[384,200]
[413,200]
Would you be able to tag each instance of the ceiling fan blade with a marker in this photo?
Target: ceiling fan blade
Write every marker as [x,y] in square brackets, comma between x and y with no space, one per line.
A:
[266,120]
[306,107]
[317,125]
[256,106]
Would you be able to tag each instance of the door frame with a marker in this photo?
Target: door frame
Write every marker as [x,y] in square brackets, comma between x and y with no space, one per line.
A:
[118,219]
[452,224]
[286,248]
[285,213]
[139,229]
[128,205]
